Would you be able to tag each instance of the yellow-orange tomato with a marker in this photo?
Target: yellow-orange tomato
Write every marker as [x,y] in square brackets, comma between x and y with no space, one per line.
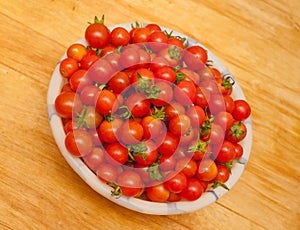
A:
[77,51]
[207,170]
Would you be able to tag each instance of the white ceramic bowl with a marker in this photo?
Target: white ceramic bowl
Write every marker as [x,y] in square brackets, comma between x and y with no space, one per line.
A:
[136,204]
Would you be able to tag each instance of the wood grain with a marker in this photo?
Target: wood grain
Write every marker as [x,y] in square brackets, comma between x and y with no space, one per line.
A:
[259,41]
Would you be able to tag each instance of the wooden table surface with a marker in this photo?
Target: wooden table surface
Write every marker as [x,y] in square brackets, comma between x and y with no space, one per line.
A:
[259,42]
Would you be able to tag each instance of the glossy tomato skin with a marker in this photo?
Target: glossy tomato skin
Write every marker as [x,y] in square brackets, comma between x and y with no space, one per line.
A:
[77,51]
[237,132]
[119,36]
[207,170]
[116,153]
[180,125]
[67,67]
[238,149]
[193,190]
[89,94]
[107,172]
[140,35]
[119,82]
[241,110]
[169,144]
[226,153]
[88,60]
[187,166]
[223,174]
[107,130]
[148,156]
[196,57]
[138,104]
[130,183]
[224,119]
[166,73]
[106,102]
[79,142]
[67,104]
[97,35]
[129,57]
[174,109]
[94,159]
[196,115]
[165,95]
[131,132]
[175,182]
[101,71]
[79,80]
[152,127]
[185,93]
[158,193]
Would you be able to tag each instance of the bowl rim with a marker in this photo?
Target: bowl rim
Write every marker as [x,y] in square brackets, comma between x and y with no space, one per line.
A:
[136,204]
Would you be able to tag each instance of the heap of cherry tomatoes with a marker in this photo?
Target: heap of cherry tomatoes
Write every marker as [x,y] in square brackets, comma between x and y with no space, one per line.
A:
[148,114]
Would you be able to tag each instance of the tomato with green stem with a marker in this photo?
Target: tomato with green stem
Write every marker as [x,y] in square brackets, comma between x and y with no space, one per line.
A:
[97,34]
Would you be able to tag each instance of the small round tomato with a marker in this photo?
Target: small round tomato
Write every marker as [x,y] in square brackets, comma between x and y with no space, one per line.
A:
[169,144]
[97,34]
[202,97]
[174,109]
[229,103]
[67,103]
[153,27]
[187,166]
[107,130]
[101,71]
[158,193]
[131,132]
[216,104]
[113,60]
[223,174]
[195,58]
[172,54]
[226,153]
[207,170]
[167,163]
[193,190]
[157,41]
[89,94]
[142,74]
[79,142]
[157,63]
[88,60]
[165,73]
[140,35]
[119,36]
[217,134]
[238,149]
[129,57]
[175,182]
[241,110]
[180,125]
[224,119]
[138,104]
[237,132]
[116,153]
[79,80]
[148,156]
[107,172]
[152,127]
[174,41]
[94,159]
[165,94]
[196,115]
[77,51]
[67,67]
[90,118]
[130,183]
[106,103]
[119,82]
[185,93]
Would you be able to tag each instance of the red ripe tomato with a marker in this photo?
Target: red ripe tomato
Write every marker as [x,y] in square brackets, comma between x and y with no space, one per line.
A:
[241,110]
[173,41]
[97,34]
[129,57]
[88,60]
[94,159]
[131,132]
[67,103]
[66,87]
[153,27]
[76,51]
[223,174]
[238,149]
[140,35]
[119,82]
[101,71]
[174,109]
[142,73]
[164,96]
[138,104]
[107,172]
[187,166]
[157,41]
[169,144]
[165,73]
[209,85]
[107,130]
[130,183]
[148,156]
[207,170]
[67,67]
[216,104]
[224,119]
[145,59]
[196,115]
[237,132]
[107,50]
[157,63]
[106,103]
[119,36]
[79,80]
[180,125]
[226,153]
[202,97]
[79,142]
[193,190]
[158,193]
[196,57]
[229,103]
[172,54]
[116,153]
[113,60]
[152,127]
[167,163]
[217,134]
[175,182]
[89,94]
[185,93]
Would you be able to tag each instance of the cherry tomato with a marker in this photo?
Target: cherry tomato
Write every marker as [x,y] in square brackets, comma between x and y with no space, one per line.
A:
[158,193]
[217,134]
[169,144]
[207,170]
[90,118]
[153,27]
[241,110]
[113,60]
[157,41]
[94,159]
[164,96]
[229,103]
[187,166]
[129,57]
[202,97]
[107,130]
[174,109]
[196,57]
[185,93]
[119,36]
[172,54]
[67,103]
[67,67]
[97,35]
[89,94]
[165,73]
[237,132]
[157,63]
[180,125]
[148,156]
[77,51]
[152,127]
[79,142]
[142,73]
[193,190]
[79,80]
[167,163]
[130,183]
[238,149]
[88,60]
[106,103]
[107,172]
[138,104]
[175,182]
[116,153]
[119,82]
[140,35]
[131,132]
[226,153]
[173,41]
[196,115]
[223,174]
[101,71]
[224,119]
